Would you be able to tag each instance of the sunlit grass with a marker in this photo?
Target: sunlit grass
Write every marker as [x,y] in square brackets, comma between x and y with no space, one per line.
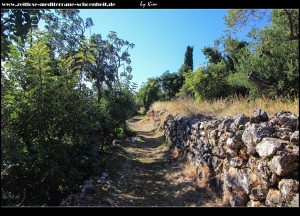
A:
[229,107]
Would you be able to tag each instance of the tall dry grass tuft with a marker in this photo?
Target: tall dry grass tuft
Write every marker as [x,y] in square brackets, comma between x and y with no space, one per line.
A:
[204,174]
[226,107]
[191,170]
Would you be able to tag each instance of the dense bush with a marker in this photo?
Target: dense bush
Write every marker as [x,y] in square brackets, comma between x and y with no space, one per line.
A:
[149,93]
[273,53]
[55,129]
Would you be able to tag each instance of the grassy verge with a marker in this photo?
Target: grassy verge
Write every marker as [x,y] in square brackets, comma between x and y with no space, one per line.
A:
[222,107]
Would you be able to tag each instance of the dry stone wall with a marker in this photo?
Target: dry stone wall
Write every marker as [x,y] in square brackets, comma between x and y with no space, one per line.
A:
[89,190]
[253,160]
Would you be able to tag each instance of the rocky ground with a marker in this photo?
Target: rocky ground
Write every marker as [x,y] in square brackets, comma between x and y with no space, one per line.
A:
[143,173]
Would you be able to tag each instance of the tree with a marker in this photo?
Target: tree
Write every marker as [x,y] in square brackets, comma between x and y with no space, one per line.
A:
[212,82]
[188,61]
[15,25]
[170,84]
[233,51]
[119,58]
[191,80]
[206,83]
[275,55]
[292,21]
[112,63]
[213,55]
[149,92]
[53,127]
[238,19]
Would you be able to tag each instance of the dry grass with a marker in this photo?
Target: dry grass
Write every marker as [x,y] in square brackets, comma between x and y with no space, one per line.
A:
[204,175]
[191,170]
[229,107]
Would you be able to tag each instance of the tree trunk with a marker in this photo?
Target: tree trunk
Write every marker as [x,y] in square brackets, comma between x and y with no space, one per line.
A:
[259,81]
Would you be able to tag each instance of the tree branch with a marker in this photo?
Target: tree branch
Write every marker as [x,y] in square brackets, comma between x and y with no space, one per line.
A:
[289,15]
[259,81]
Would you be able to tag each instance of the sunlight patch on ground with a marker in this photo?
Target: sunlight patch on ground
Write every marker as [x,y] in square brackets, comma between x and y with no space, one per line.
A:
[146,173]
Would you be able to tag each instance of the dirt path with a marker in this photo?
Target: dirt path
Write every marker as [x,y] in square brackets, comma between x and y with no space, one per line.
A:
[146,173]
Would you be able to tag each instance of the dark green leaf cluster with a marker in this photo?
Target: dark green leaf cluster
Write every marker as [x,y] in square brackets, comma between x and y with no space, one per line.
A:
[267,65]
[64,98]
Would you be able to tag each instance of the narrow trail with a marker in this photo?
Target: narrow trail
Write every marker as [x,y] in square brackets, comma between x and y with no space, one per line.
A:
[146,173]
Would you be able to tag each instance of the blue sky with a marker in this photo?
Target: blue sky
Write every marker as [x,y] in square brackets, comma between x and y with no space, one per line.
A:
[160,36]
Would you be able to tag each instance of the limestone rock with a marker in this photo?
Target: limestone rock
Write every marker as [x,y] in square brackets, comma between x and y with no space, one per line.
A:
[258,132]
[225,125]
[253,203]
[258,193]
[238,135]
[238,199]
[259,116]
[229,134]
[231,152]
[295,138]
[254,134]
[241,120]
[247,180]
[285,119]
[274,198]
[195,125]
[287,188]
[295,200]
[283,165]
[268,147]
[213,142]
[261,169]
[201,126]
[233,143]
[214,134]
[283,133]
[235,162]
[219,151]
[231,178]
[217,164]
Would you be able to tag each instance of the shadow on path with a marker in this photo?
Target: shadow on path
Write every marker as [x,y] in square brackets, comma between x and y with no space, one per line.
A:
[146,173]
